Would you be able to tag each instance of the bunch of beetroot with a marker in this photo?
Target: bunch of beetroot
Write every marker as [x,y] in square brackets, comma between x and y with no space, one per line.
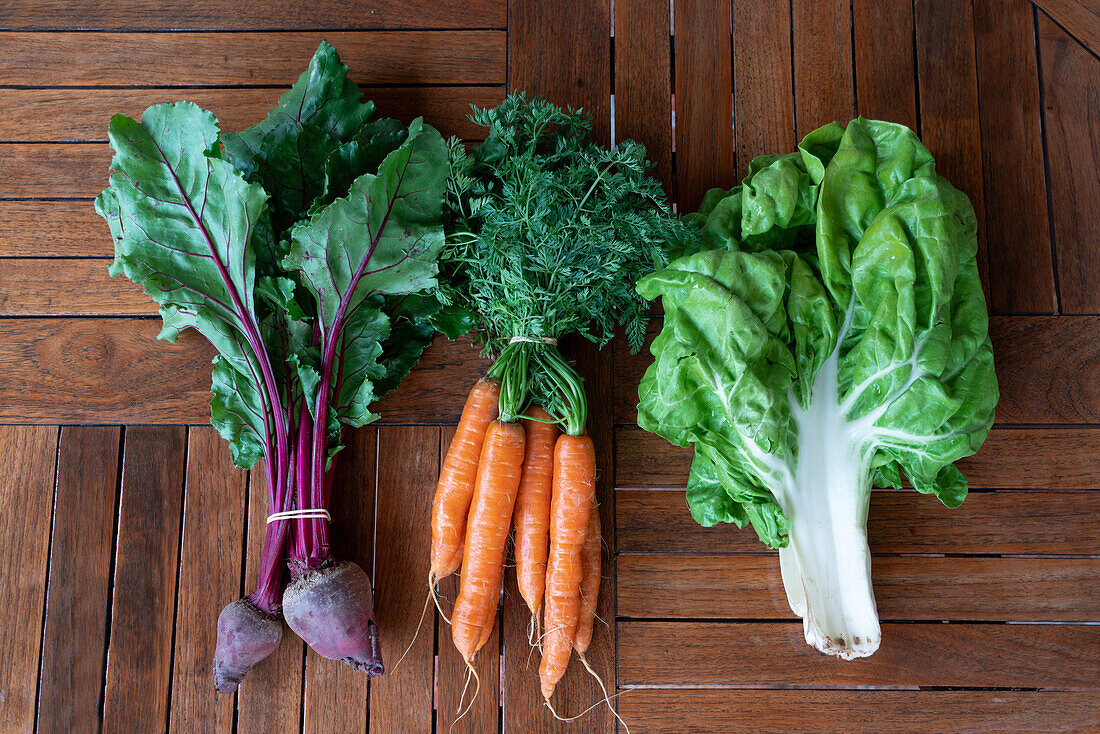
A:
[304,249]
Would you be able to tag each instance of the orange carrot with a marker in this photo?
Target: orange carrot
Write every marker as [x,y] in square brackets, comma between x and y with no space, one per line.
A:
[532,515]
[573,493]
[498,477]
[590,582]
[456,479]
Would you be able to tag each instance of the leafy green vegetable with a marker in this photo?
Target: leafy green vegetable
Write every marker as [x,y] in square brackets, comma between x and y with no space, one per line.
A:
[835,339]
[550,232]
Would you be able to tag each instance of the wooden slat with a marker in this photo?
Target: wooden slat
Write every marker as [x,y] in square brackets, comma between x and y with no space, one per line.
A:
[822,47]
[59,115]
[1071,87]
[884,60]
[658,521]
[1021,275]
[1080,17]
[146,559]
[52,229]
[408,467]
[843,712]
[122,374]
[231,15]
[763,91]
[948,90]
[643,76]
[226,59]
[63,287]
[209,578]
[26,503]
[270,697]
[72,672]
[956,655]
[451,673]
[336,696]
[908,588]
[1048,369]
[63,170]
[704,105]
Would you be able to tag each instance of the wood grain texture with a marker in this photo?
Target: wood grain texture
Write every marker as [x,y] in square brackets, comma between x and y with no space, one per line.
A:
[408,467]
[123,374]
[735,654]
[562,51]
[71,115]
[882,39]
[1071,86]
[658,521]
[26,506]
[53,229]
[643,82]
[1080,17]
[1048,369]
[72,673]
[948,91]
[1021,274]
[763,91]
[824,87]
[269,699]
[48,170]
[843,712]
[336,697]
[146,561]
[232,15]
[906,588]
[64,287]
[704,104]
[209,578]
[227,59]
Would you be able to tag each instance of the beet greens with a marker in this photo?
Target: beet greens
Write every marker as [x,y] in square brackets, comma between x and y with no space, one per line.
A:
[304,249]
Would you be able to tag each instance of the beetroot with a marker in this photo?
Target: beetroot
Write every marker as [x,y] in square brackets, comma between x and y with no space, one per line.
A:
[246,635]
[332,609]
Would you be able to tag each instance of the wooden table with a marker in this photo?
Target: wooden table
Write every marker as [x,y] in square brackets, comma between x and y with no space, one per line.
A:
[123,539]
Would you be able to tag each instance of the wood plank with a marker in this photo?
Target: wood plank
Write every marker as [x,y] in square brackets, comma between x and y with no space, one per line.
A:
[843,712]
[1071,93]
[270,697]
[336,696]
[1079,17]
[53,229]
[408,467]
[763,88]
[226,59]
[886,86]
[230,15]
[123,375]
[822,46]
[908,588]
[1048,369]
[64,287]
[562,51]
[484,711]
[948,91]
[704,105]
[209,578]
[643,82]
[69,115]
[26,505]
[1021,274]
[737,654]
[65,170]
[72,669]
[1028,522]
[146,560]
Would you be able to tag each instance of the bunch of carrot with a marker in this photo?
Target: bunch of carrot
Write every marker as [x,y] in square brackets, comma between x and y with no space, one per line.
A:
[528,474]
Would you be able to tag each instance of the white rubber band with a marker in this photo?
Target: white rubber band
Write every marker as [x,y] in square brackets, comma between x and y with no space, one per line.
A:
[534,340]
[299,514]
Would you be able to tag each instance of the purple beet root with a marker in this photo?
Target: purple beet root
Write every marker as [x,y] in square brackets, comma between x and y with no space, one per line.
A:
[246,635]
[332,609]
